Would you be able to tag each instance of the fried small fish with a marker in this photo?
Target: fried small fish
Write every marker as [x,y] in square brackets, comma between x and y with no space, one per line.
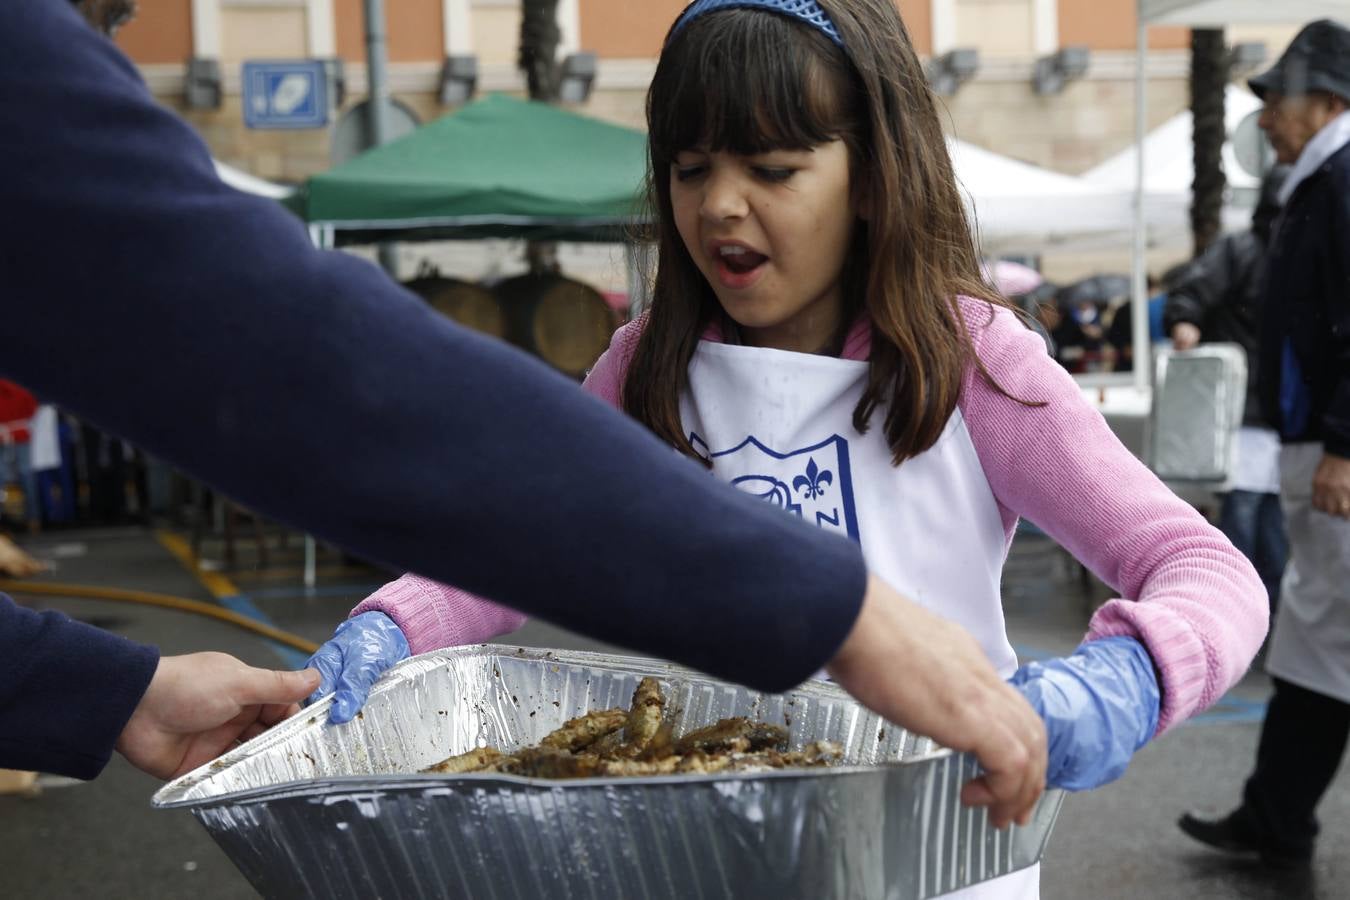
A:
[735,735]
[474,760]
[639,742]
[644,716]
[631,768]
[579,733]
[542,762]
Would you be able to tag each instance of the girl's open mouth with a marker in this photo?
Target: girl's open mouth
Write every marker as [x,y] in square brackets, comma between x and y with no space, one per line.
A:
[738,267]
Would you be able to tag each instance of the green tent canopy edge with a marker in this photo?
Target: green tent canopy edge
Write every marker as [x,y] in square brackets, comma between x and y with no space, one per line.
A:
[499,167]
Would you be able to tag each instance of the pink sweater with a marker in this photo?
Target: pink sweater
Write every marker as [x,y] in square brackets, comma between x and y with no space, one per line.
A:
[1186,593]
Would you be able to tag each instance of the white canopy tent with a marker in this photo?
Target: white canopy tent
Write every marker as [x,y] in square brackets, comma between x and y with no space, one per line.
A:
[1024,208]
[1170,172]
[1220,13]
[1171,164]
[1194,14]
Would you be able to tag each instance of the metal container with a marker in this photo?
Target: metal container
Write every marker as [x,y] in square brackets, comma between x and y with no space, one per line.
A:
[1198,401]
[313,810]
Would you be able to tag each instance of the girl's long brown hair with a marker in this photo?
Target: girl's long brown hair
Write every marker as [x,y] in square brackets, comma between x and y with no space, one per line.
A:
[748,81]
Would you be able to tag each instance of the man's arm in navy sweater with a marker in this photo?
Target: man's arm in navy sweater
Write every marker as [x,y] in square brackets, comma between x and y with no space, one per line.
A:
[143,294]
[66,691]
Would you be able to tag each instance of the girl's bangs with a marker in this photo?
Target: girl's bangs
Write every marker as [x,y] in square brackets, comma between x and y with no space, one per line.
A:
[747,82]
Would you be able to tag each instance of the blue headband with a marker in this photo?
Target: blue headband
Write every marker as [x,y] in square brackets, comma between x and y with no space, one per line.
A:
[807,11]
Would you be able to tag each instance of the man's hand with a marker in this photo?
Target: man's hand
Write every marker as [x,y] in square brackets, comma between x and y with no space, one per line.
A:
[1184,336]
[1331,486]
[200,705]
[928,675]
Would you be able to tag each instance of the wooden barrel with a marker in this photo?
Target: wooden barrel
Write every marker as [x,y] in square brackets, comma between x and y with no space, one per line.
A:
[564,322]
[469,304]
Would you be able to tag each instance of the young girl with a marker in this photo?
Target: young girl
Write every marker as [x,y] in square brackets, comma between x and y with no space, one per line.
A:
[820,336]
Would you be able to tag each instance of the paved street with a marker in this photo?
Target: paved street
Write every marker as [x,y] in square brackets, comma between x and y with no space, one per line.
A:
[102,839]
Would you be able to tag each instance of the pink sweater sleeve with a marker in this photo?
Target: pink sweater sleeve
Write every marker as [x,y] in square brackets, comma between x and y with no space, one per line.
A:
[1187,594]
[432,615]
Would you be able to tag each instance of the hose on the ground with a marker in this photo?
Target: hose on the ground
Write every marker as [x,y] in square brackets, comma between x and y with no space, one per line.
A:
[182,604]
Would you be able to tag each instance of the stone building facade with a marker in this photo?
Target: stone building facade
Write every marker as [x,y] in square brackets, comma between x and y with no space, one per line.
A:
[1069,131]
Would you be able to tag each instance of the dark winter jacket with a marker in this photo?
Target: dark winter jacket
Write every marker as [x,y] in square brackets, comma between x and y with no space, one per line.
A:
[1220,293]
[1307,302]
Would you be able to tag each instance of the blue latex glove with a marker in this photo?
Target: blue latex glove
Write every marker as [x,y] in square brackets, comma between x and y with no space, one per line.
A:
[1099,705]
[353,659]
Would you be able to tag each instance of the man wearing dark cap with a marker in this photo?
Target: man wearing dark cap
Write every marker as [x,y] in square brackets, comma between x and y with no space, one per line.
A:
[1303,382]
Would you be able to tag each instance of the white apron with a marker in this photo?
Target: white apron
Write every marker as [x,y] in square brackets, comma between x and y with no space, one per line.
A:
[1257,467]
[1310,644]
[780,425]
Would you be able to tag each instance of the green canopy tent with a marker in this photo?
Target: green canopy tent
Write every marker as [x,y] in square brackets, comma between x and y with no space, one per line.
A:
[499,167]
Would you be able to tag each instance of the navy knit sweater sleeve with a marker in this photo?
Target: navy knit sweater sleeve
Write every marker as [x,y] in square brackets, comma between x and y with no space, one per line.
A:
[66,691]
[142,293]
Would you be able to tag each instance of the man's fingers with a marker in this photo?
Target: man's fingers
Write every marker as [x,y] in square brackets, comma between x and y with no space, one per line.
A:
[1012,786]
[268,686]
[276,712]
[1013,756]
[977,793]
[267,717]
[1034,738]
[1331,502]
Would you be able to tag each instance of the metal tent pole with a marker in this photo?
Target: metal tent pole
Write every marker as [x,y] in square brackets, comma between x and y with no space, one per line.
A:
[1143,350]
[377,91]
[377,71]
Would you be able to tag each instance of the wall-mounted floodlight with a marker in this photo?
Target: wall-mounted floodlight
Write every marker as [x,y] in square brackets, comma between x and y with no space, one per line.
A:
[202,85]
[946,73]
[459,80]
[1247,56]
[1055,71]
[577,77]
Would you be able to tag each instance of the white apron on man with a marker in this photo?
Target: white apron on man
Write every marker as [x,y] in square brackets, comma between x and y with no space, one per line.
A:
[780,425]
[1310,643]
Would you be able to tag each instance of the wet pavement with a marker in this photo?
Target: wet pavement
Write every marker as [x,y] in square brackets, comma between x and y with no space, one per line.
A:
[102,839]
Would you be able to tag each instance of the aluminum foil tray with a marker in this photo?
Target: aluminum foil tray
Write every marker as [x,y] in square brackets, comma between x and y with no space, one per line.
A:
[1199,396]
[313,810]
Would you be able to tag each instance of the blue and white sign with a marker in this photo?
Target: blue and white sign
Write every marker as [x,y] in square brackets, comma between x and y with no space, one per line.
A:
[285,94]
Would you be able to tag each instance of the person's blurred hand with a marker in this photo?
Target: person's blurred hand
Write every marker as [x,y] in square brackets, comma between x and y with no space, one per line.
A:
[928,675]
[353,659]
[15,563]
[198,706]
[1185,336]
[1331,486]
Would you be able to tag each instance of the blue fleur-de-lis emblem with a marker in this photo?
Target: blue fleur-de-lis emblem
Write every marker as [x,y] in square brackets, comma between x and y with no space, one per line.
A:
[780,479]
[814,481]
